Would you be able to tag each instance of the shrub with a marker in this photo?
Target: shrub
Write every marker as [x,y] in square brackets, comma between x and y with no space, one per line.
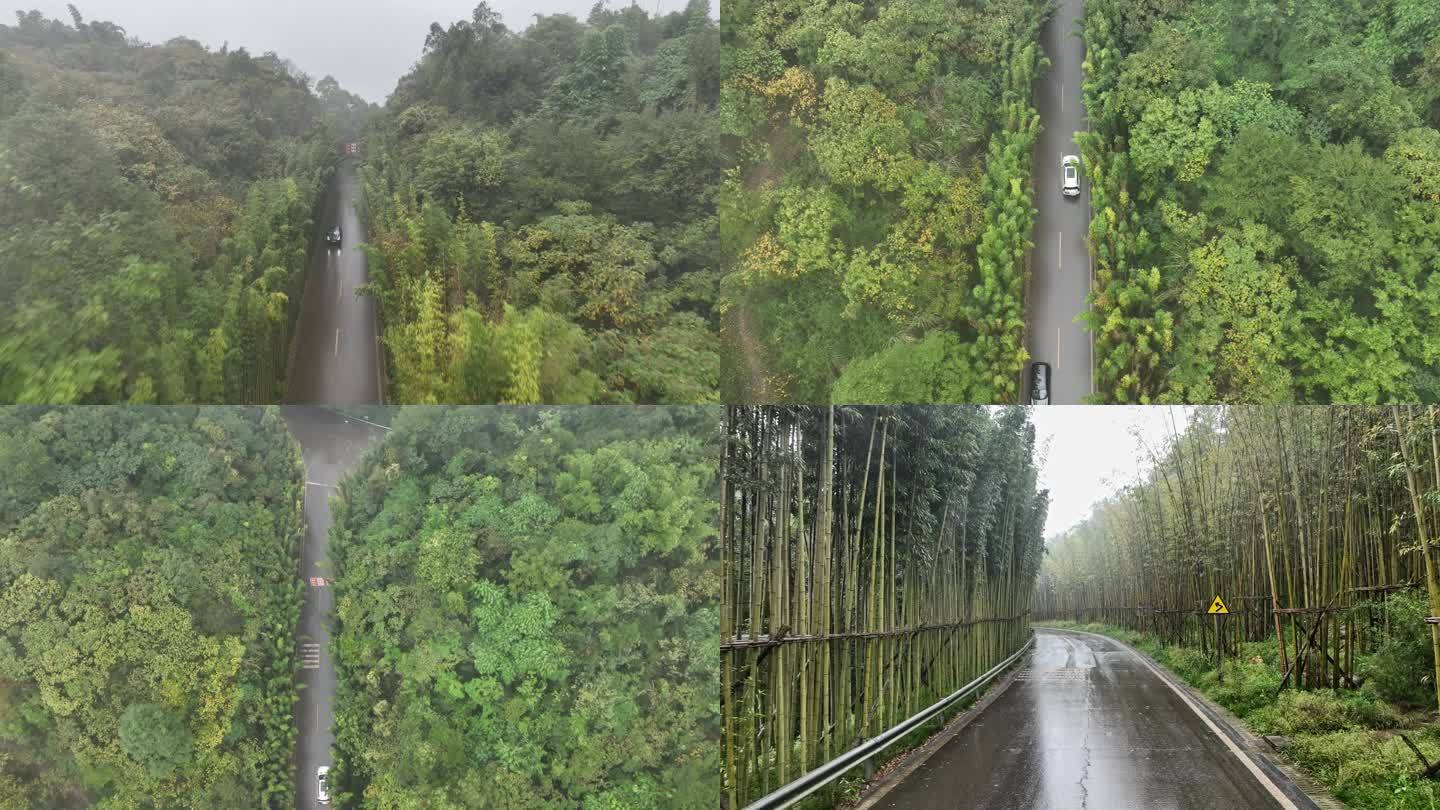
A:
[1247,687]
[1365,770]
[1401,669]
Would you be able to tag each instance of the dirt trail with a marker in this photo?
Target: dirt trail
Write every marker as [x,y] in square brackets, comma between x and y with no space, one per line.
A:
[757,390]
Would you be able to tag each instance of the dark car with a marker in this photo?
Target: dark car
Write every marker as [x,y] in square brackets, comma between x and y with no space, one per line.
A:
[1039,383]
[333,237]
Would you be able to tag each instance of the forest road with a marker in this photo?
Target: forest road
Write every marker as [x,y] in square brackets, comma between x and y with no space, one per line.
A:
[1087,724]
[336,356]
[331,445]
[1060,262]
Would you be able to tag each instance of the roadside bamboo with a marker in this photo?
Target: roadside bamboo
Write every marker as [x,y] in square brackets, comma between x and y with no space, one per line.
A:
[1305,518]
[875,559]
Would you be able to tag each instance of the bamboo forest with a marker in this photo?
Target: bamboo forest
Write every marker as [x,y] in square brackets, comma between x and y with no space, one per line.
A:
[156,206]
[874,559]
[147,607]
[1316,527]
[525,605]
[541,208]
[1266,200]
[877,211]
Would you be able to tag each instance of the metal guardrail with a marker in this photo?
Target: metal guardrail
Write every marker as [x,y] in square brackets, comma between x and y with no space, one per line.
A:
[788,795]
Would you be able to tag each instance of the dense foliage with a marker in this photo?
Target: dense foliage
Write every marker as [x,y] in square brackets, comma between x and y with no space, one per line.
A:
[1266,186]
[155,208]
[148,602]
[878,209]
[541,206]
[875,560]
[526,603]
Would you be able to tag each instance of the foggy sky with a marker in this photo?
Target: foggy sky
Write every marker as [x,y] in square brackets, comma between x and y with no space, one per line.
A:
[1093,453]
[367,45]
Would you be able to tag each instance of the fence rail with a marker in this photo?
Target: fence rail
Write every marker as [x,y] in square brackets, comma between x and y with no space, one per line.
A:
[789,794]
[753,642]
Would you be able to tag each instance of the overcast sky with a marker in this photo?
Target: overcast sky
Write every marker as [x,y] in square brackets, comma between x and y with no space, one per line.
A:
[1093,452]
[367,45]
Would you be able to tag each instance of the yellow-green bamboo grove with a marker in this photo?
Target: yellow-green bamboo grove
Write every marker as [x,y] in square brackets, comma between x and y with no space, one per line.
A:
[1303,519]
[875,559]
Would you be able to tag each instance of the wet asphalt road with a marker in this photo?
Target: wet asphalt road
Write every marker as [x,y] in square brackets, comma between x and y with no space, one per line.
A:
[1085,725]
[1060,262]
[331,444]
[336,356]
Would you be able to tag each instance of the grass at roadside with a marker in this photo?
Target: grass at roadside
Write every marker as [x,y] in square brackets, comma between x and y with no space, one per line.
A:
[1347,739]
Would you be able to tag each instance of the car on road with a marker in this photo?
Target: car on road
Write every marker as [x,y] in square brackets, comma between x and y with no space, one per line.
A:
[1039,383]
[1070,167]
[322,779]
[333,237]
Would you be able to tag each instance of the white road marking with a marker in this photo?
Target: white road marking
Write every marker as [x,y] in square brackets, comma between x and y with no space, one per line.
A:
[1059,253]
[1062,97]
[1260,776]
[1057,348]
[368,422]
[337,341]
[309,655]
[319,484]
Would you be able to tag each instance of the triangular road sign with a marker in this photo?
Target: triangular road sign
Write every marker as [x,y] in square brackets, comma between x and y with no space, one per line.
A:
[1218,606]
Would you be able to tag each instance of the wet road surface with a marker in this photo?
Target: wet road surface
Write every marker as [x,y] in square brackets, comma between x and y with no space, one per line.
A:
[1060,262]
[336,356]
[1086,724]
[332,445]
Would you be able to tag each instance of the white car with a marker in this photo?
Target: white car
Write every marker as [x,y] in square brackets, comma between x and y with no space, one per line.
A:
[322,778]
[1070,166]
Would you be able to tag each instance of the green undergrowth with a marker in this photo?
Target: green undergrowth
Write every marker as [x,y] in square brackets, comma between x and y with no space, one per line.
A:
[1348,740]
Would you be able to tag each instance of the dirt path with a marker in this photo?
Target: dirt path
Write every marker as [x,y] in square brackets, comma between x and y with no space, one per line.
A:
[757,390]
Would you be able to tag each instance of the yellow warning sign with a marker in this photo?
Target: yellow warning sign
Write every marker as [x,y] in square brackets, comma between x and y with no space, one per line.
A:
[1218,606]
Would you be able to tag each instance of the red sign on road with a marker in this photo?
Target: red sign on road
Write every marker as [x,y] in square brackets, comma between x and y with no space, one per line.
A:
[319,582]
[352,148]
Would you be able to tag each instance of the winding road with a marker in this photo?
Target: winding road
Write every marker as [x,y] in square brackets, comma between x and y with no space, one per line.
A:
[1060,268]
[1087,723]
[331,444]
[336,356]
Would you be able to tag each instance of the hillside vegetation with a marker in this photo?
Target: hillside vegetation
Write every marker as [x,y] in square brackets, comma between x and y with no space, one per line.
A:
[526,604]
[155,206]
[541,206]
[148,601]
[877,207]
[1266,188]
